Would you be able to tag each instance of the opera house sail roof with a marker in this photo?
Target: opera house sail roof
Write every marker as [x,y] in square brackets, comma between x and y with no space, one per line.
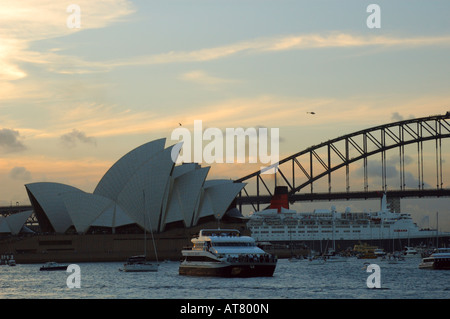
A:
[142,188]
[14,223]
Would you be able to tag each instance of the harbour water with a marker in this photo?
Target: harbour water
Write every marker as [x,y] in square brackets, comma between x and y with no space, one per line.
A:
[291,280]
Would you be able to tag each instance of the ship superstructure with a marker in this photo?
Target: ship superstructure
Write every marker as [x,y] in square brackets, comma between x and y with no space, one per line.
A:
[278,223]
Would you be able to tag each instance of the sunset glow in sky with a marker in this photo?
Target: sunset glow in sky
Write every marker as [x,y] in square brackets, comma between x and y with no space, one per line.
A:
[74,100]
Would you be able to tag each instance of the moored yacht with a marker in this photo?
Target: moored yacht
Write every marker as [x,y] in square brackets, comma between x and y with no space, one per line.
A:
[439,259]
[139,264]
[225,253]
[331,256]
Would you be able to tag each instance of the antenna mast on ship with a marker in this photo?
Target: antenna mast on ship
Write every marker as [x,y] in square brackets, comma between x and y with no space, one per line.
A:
[437,229]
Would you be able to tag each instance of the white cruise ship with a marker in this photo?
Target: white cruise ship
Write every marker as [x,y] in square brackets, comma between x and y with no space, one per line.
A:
[391,230]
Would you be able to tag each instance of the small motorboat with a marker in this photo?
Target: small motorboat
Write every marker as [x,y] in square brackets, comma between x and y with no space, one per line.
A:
[52,266]
[379,252]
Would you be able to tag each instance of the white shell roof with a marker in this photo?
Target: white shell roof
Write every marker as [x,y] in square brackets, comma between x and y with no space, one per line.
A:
[49,198]
[87,210]
[215,182]
[112,182]
[185,195]
[143,187]
[216,198]
[4,227]
[14,223]
[184,168]
[149,180]
[112,216]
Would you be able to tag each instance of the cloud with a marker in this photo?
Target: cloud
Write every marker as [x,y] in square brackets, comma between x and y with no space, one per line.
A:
[278,43]
[396,116]
[20,173]
[31,20]
[70,139]
[272,111]
[392,172]
[27,21]
[16,48]
[201,77]
[81,172]
[24,23]
[10,141]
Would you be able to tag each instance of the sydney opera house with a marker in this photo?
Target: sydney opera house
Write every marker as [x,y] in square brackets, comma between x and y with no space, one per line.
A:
[143,192]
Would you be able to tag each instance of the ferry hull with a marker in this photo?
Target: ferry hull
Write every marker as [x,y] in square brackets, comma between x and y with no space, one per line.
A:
[436,265]
[150,269]
[227,270]
[442,264]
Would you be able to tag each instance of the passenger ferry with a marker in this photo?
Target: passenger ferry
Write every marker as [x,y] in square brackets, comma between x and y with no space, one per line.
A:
[279,224]
[225,253]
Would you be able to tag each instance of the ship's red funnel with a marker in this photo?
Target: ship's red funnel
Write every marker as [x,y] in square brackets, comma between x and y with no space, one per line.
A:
[280,198]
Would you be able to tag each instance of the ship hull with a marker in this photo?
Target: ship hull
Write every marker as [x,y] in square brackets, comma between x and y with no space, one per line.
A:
[437,264]
[442,264]
[227,270]
[287,249]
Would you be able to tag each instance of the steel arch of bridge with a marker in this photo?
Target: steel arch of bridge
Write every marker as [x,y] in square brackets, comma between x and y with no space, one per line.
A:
[355,147]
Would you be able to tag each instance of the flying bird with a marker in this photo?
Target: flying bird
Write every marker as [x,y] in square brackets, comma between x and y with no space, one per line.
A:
[311,113]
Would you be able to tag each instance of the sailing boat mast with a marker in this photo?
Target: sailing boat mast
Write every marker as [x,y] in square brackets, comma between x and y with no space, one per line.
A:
[145,229]
[151,230]
[437,229]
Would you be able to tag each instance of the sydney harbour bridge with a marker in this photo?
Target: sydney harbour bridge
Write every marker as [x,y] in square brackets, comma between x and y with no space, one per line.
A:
[408,154]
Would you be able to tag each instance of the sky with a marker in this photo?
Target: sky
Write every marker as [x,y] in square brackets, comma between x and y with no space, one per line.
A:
[84,82]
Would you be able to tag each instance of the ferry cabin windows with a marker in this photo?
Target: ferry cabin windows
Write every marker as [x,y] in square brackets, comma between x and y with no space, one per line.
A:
[201,258]
[202,245]
[234,244]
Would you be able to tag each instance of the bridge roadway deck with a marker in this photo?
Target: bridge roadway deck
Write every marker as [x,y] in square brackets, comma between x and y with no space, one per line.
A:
[265,199]
[8,210]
